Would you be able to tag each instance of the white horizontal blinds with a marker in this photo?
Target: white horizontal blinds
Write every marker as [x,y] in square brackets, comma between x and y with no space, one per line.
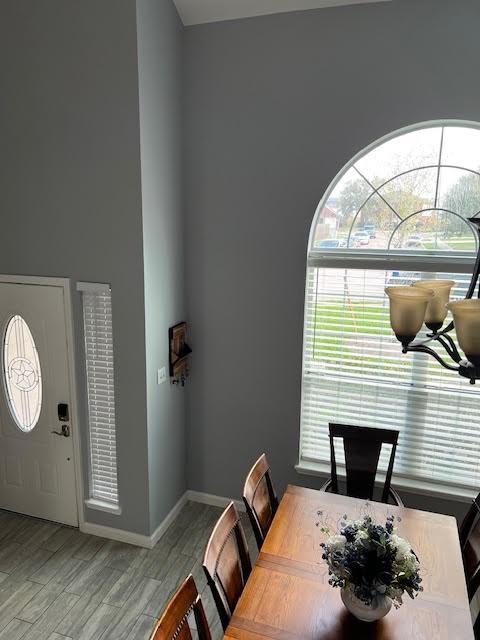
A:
[97,313]
[355,373]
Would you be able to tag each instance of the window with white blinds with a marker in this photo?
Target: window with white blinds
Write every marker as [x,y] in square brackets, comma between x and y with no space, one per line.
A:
[396,213]
[355,373]
[97,316]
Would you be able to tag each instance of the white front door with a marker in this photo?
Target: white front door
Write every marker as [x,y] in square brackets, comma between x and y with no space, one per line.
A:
[37,474]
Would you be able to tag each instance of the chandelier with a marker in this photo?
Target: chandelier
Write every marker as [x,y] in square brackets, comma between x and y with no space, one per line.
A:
[428,301]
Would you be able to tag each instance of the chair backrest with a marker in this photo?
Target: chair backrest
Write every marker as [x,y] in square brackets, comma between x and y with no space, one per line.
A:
[362,446]
[260,498]
[173,624]
[470,544]
[226,563]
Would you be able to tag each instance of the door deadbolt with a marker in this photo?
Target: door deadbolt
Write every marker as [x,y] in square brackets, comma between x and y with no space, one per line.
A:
[63,413]
[65,432]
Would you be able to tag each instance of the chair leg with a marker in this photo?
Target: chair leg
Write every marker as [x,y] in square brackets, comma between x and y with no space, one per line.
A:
[396,498]
[326,485]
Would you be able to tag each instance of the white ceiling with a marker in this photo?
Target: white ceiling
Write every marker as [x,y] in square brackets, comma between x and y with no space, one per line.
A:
[200,11]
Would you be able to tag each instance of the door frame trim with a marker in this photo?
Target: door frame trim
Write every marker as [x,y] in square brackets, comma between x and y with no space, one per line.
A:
[65,284]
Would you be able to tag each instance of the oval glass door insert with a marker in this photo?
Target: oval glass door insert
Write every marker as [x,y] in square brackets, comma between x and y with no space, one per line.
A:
[22,374]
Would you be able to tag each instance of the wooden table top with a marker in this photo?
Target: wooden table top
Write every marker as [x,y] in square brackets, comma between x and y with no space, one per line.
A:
[288,597]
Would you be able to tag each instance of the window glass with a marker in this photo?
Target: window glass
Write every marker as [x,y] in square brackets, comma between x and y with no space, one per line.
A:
[461,147]
[407,151]
[434,230]
[374,224]
[459,191]
[411,192]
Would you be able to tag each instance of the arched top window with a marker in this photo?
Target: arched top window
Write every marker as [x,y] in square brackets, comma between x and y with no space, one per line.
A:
[395,214]
[413,190]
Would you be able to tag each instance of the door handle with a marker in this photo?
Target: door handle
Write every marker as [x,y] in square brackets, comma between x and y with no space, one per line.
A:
[65,432]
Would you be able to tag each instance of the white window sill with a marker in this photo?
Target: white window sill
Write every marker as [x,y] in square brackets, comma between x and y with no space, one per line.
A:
[91,503]
[408,485]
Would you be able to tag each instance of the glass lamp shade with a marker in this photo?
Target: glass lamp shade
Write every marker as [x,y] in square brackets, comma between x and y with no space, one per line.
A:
[436,309]
[407,310]
[466,318]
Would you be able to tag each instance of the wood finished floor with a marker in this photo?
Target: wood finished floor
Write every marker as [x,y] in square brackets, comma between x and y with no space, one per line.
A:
[59,584]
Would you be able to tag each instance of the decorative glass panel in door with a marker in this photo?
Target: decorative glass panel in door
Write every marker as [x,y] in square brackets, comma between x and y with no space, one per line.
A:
[22,374]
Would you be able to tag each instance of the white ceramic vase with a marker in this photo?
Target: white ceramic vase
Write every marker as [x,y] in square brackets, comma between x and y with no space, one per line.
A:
[367,613]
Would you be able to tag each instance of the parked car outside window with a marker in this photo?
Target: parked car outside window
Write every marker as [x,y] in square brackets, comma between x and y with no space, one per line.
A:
[329,243]
[362,237]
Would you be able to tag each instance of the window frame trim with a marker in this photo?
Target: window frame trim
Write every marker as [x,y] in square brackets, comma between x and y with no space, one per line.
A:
[100,505]
[403,483]
[391,259]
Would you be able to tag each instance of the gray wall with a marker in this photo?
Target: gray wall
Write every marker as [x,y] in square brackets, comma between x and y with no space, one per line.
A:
[160,35]
[70,201]
[275,106]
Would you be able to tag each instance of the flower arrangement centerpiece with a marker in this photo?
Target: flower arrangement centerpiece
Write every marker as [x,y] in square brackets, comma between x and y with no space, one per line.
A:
[372,566]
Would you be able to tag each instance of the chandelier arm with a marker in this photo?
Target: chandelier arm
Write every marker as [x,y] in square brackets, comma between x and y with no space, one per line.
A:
[444,332]
[474,280]
[476,269]
[422,343]
[423,349]
[450,347]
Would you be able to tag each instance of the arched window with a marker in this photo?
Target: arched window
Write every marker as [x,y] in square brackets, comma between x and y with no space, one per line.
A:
[396,213]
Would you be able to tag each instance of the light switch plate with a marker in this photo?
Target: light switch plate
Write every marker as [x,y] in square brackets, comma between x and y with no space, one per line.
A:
[161,375]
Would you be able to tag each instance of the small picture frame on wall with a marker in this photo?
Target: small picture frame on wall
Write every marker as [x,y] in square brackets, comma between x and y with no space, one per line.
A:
[179,352]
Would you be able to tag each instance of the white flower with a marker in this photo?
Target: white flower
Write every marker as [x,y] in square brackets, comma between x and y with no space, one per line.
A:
[336,543]
[412,562]
[361,535]
[404,550]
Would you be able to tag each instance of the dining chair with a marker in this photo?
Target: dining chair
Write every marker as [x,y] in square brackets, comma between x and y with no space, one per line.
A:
[260,498]
[173,624]
[470,544]
[362,447]
[226,563]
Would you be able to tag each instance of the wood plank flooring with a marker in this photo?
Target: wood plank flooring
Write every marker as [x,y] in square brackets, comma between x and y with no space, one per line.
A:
[59,584]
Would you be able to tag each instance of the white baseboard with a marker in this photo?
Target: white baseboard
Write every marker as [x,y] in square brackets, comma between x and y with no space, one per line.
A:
[149,542]
[130,537]
[213,500]
[167,521]
[120,535]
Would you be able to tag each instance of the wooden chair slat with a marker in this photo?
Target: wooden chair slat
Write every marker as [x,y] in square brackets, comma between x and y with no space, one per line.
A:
[260,498]
[227,563]
[173,624]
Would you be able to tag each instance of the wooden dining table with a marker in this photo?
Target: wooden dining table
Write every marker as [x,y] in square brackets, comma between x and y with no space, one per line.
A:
[287,596]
